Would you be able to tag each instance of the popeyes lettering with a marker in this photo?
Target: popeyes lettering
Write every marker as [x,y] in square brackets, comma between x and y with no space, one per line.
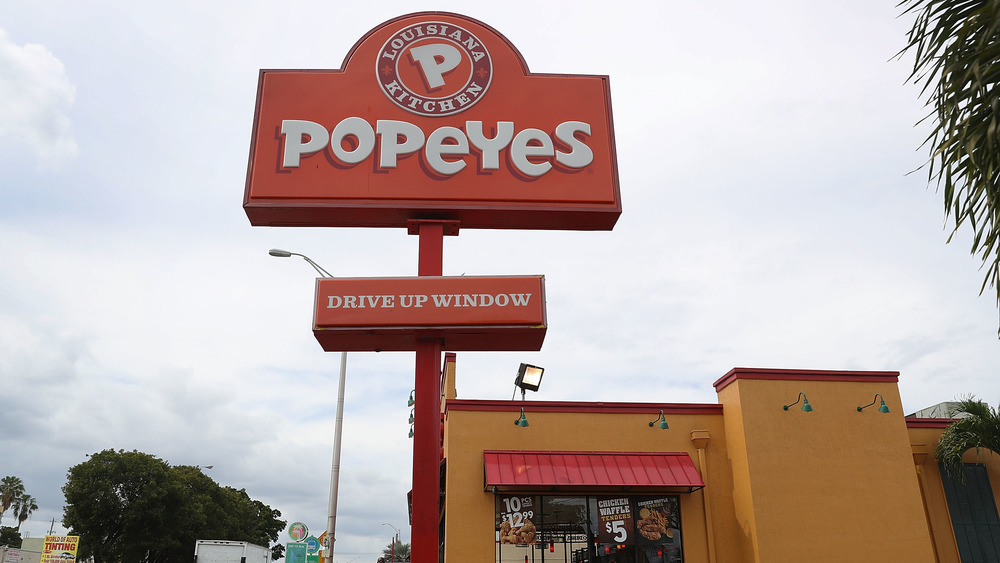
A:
[532,152]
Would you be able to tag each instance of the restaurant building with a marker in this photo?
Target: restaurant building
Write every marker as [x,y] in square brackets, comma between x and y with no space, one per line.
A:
[743,480]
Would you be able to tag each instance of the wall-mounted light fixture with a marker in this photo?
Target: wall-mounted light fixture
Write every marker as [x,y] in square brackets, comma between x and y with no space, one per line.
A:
[662,422]
[411,416]
[881,408]
[805,403]
[521,421]
[529,378]
[411,431]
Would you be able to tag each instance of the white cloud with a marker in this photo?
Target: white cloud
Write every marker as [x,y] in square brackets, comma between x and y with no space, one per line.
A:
[37,95]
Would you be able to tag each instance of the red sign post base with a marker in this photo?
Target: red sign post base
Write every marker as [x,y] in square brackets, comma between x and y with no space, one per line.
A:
[427,413]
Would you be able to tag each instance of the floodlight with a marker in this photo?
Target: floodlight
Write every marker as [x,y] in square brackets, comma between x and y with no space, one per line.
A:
[529,377]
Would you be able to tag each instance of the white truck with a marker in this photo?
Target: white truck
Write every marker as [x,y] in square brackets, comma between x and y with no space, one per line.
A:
[225,551]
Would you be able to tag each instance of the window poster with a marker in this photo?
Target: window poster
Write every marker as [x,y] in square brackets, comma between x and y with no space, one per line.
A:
[658,519]
[516,514]
[615,520]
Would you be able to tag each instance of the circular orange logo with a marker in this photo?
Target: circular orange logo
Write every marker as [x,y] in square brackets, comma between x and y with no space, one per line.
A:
[434,68]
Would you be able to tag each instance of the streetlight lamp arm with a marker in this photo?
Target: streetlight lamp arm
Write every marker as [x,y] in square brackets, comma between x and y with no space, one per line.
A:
[285,254]
[317,267]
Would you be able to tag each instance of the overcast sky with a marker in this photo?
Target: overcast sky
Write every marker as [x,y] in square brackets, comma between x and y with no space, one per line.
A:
[770,219]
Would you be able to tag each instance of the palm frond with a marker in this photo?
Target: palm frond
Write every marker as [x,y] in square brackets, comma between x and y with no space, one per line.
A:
[978,428]
[956,48]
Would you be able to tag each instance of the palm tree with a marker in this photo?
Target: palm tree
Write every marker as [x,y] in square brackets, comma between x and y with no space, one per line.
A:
[11,489]
[23,507]
[402,552]
[957,48]
[978,427]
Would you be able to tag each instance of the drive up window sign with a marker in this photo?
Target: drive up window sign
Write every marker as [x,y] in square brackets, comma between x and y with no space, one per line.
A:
[432,116]
[466,313]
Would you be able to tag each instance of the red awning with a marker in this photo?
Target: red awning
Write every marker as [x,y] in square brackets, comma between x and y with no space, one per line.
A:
[511,469]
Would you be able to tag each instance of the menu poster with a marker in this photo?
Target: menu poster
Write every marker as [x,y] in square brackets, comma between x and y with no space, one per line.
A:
[614,520]
[516,516]
[657,519]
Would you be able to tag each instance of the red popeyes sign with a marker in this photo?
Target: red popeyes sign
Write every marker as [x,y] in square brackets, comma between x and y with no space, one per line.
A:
[466,313]
[433,116]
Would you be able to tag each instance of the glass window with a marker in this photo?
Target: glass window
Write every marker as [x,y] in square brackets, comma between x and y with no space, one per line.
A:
[592,529]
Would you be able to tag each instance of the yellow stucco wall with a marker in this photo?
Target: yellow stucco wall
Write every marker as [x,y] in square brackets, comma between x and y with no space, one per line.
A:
[833,483]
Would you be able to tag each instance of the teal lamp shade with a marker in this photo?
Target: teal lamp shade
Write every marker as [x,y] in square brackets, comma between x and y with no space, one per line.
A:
[806,406]
[522,421]
[661,424]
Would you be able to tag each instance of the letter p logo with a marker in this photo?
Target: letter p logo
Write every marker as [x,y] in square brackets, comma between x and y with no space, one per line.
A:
[434,68]
[435,60]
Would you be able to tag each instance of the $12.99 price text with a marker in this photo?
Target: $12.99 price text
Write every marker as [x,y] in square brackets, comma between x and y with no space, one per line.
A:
[517,510]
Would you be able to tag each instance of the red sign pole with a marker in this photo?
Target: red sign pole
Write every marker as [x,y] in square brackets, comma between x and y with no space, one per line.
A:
[427,412]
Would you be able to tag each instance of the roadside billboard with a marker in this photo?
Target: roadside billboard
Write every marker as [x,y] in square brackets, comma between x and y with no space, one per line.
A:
[60,549]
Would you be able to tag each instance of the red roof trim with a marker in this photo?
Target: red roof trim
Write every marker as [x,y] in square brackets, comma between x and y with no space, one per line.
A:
[805,375]
[582,407]
[929,422]
[514,469]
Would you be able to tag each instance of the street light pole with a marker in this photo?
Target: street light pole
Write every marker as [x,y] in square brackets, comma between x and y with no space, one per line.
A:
[394,541]
[331,522]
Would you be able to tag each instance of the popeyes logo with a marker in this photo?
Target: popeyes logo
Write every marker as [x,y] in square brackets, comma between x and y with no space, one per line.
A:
[434,68]
[433,115]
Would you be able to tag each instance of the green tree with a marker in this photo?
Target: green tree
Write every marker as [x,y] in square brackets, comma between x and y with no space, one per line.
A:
[402,552]
[10,537]
[11,488]
[978,427]
[23,507]
[956,44]
[132,506]
[120,504]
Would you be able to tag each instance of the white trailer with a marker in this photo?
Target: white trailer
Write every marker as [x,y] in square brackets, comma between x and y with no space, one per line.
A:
[225,551]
